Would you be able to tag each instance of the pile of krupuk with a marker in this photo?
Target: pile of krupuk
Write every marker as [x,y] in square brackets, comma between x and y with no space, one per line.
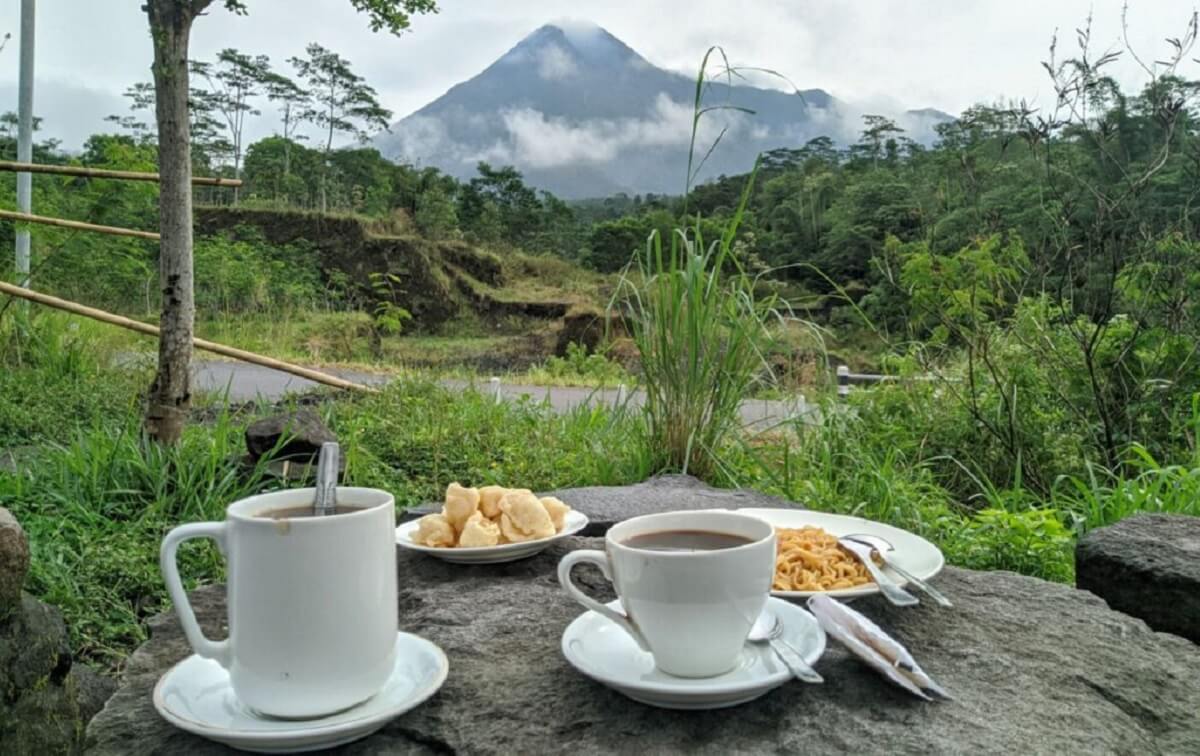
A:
[490,516]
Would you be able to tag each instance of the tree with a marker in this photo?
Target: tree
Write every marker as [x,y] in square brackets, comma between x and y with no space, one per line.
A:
[234,80]
[141,97]
[342,101]
[877,135]
[170,30]
[293,101]
[435,217]
[209,143]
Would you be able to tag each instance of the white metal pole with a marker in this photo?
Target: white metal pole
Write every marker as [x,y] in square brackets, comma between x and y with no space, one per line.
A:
[25,137]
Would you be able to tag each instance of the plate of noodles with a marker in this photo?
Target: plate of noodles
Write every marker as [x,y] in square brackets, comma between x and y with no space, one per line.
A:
[809,560]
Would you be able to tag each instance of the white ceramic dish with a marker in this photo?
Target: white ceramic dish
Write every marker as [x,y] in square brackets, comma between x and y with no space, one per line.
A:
[912,552]
[600,649]
[506,552]
[195,695]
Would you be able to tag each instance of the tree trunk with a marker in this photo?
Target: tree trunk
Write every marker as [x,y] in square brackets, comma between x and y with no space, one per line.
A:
[170,394]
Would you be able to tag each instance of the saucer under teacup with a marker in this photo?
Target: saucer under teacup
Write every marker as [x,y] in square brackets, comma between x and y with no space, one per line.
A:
[196,695]
[595,646]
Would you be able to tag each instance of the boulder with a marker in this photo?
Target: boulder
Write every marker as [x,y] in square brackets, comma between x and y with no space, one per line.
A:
[1148,566]
[607,505]
[40,709]
[14,561]
[92,688]
[303,430]
[1035,667]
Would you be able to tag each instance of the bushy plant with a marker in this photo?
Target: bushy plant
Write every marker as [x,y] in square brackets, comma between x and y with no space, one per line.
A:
[578,365]
[701,334]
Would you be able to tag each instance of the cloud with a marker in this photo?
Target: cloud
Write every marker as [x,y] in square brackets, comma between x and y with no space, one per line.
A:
[535,140]
[555,63]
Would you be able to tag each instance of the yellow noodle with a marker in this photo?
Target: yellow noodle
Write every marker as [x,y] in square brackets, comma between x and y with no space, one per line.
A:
[809,559]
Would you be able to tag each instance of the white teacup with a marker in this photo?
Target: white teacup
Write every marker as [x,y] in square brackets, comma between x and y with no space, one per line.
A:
[311,600]
[692,610]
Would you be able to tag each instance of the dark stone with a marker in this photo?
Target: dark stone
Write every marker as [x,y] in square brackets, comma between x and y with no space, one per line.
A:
[303,431]
[93,690]
[14,560]
[605,506]
[39,694]
[1035,667]
[33,646]
[1149,566]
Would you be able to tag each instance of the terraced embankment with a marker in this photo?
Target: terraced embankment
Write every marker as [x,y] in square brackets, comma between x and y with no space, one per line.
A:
[438,281]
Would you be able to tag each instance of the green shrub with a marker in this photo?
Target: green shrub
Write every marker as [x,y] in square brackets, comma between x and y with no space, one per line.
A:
[578,366]
[701,334]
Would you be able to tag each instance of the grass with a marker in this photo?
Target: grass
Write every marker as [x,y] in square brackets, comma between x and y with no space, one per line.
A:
[702,336]
[96,499]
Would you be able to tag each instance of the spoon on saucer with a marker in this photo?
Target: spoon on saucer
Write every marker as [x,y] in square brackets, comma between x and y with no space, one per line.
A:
[768,629]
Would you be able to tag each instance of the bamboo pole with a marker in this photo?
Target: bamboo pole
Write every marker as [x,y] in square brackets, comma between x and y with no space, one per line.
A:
[209,346]
[80,170]
[78,225]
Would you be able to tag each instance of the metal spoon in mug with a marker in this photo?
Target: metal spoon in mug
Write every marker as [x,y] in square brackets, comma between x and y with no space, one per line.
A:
[325,500]
[882,546]
[768,629]
[887,586]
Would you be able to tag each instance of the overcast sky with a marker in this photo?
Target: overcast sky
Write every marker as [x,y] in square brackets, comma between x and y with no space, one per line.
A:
[946,54]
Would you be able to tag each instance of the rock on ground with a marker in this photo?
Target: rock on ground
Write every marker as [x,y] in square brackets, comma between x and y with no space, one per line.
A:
[1035,668]
[605,506]
[14,561]
[44,702]
[304,432]
[1148,566]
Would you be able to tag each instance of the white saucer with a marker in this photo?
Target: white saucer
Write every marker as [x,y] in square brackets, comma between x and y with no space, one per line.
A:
[912,552]
[573,522]
[604,652]
[195,695]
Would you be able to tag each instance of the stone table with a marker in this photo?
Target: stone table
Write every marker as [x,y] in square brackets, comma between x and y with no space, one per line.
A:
[1035,668]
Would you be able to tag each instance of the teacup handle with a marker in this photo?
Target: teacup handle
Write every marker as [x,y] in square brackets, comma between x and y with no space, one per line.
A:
[600,559]
[216,650]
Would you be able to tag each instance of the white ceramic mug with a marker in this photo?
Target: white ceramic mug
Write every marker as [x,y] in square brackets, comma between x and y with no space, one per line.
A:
[311,601]
[691,609]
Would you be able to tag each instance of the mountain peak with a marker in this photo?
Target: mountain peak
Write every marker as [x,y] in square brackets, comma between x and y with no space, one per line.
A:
[560,48]
[582,115]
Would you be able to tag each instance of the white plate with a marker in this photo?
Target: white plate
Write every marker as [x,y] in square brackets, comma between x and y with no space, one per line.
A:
[912,552]
[573,522]
[195,695]
[595,646]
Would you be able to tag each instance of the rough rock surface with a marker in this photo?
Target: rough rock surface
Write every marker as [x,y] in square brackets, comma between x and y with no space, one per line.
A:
[1036,668]
[304,429]
[1148,566]
[14,561]
[41,707]
[607,505]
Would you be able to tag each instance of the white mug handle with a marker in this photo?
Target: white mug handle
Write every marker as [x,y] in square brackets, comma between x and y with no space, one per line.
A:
[600,559]
[216,650]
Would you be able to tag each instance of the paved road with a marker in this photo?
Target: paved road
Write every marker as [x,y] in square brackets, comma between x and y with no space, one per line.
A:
[246,382]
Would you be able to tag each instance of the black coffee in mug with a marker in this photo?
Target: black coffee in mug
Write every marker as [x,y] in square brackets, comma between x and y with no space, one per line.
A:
[287,513]
[685,540]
